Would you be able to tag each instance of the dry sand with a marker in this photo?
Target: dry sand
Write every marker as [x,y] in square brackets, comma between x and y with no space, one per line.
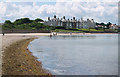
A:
[43,34]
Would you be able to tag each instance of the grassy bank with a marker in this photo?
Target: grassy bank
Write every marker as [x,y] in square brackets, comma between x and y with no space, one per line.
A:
[87,30]
[18,60]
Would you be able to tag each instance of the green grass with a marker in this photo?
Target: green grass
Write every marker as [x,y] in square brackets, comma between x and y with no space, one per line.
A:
[84,30]
[112,30]
[0,26]
[93,30]
[62,30]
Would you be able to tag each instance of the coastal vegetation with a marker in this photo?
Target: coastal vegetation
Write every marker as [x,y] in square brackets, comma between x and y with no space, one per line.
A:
[85,30]
[37,24]
[0,26]
[82,30]
[26,24]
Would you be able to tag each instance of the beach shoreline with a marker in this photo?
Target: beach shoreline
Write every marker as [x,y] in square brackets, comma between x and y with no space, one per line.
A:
[47,34]
[10,40]
[18,60]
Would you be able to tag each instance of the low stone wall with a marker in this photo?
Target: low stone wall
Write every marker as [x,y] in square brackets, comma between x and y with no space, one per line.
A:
[25,31]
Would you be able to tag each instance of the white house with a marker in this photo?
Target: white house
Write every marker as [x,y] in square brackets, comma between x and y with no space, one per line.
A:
[70,23]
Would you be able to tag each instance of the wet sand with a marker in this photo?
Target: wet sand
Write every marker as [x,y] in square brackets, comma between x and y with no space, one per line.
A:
[17,59]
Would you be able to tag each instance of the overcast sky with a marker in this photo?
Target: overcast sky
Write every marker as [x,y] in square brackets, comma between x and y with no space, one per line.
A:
[99,11]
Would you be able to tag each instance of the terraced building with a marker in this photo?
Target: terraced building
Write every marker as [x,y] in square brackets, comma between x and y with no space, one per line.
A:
[70,23]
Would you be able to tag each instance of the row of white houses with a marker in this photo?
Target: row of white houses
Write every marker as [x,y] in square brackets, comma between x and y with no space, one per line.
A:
[70,23]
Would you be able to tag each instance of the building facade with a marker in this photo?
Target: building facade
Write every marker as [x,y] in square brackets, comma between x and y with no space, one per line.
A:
[113,26]
[70,23]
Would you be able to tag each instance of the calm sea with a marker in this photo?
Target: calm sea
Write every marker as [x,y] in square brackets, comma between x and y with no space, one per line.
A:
[95,54]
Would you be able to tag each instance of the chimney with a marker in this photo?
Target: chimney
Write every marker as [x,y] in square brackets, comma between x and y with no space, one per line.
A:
[54,16]
[81,18]
[63,17]
[92,19]
[73,18]
[48,18]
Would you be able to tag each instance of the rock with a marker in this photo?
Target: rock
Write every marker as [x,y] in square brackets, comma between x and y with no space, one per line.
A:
[18,65]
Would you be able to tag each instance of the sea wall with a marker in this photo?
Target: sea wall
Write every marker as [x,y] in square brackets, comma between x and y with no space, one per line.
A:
[25,31]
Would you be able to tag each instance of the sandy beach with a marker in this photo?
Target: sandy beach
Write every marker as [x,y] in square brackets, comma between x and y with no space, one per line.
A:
[16,58]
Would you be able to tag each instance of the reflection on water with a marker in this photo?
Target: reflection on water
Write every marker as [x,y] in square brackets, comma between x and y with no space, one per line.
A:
[68,37]
[78,54]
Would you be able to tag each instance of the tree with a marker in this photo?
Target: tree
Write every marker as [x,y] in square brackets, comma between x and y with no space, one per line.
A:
[38,20]
[8,25]
[8,22]
[26,23]
[33,24]
[97,23]
[108,24]
[22,21]
[102,24]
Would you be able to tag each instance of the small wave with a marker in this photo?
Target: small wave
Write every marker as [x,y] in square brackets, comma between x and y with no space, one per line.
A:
[60,65]
[57,71]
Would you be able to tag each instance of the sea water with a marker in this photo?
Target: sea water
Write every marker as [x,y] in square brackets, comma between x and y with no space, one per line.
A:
[95,54]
